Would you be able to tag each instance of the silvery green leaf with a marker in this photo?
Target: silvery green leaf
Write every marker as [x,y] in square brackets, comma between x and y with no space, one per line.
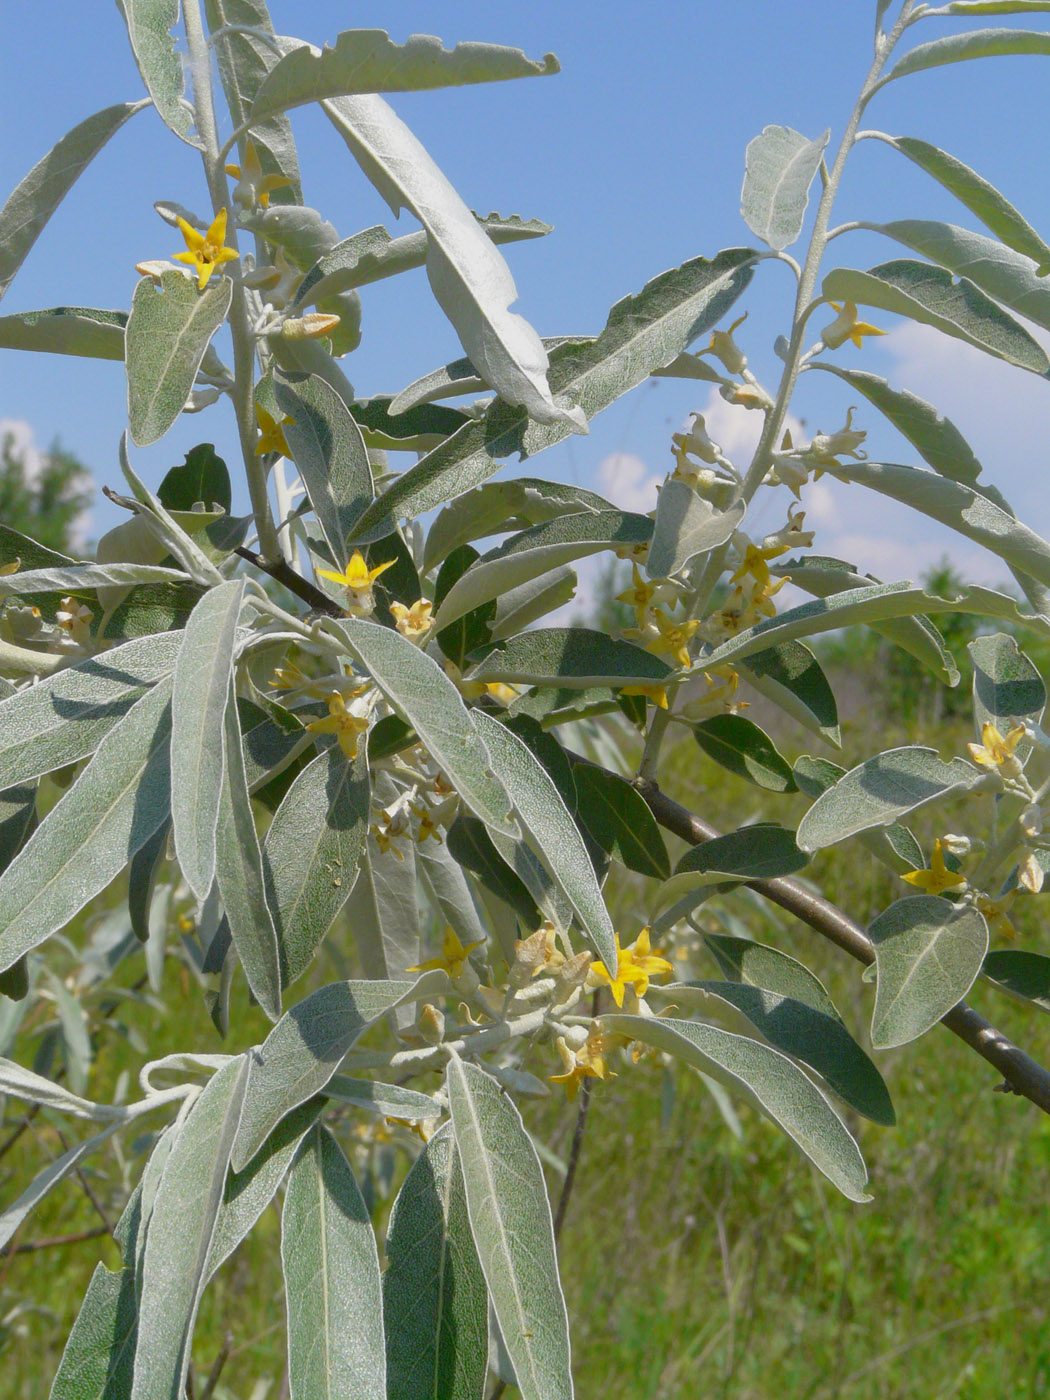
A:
[247,1193]
[387,1100]
[34,1088]
[383,912]
[73,1027]
[779,170]
[932,296]
[271,738]
[100,1353]
[306,1047]
[168,331]
[435,1303]
[181,1229]
[510,1219]
[139,1212]
[996,7]
[643,332]
[113,808]
[739,745]
[881,791]
[203,672]
[84,576]
[193,559]
[330,455]
[977,43]
[618,819]
[1021,974]
[372,254]
[759,852]
[366,60]
[758,965]
[824,576]
[894,845]
[504,505]
[423,695]
[469,278]
[36,197]
[66,330]
[239,873]
[150,23]
[774,1084]
[311,852]
[792,678]
[572,658]
[688,366]
[1007,689]
[554,835]
[928,953]
[981,198]
[536,551]
[520,607]
[470,844]
[687,525]
[12,1216]
[332,1284]
[814,1037]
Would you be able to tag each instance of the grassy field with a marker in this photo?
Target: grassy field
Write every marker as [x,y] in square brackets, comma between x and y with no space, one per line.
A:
[697,1263]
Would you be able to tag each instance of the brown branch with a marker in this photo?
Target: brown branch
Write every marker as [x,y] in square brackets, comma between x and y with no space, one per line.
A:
[295,583]
[31,1246]
[216,1371]
[577,1143]
[1021,1074]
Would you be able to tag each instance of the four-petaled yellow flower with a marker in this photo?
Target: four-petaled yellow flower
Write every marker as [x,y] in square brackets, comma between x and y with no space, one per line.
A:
[674,637]
[847,326]
[643,594]
[271,433]
[997,752]
[414,622]
[358,581]
[938,878]
[586,1062]
[343,722]
[754,564]
[254,187]
[453,957]
[204,251]
[634,965]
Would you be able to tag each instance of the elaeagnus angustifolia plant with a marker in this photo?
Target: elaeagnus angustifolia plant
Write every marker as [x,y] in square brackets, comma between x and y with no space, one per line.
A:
[342,735]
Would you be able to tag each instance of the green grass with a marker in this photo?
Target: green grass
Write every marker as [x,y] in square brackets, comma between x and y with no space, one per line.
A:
[695,1263]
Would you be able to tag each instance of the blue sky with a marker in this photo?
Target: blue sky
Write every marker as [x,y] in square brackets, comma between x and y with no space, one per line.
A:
[634,153]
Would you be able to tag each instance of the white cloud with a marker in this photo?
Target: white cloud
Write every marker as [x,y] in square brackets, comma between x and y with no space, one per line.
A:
[737,430]
[628,482]
[23,443]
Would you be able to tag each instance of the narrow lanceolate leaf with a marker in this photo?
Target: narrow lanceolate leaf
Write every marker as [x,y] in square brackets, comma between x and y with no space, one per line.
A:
[34,1088]
[99,1355]
[554,835]
[470,279]
[618,818]
[114,807]
[168,332]
[435,1303]
[66,330]
[13,1215]
[331,456]
[961,508]
[367,60]
[421,692]
[880,791]
[780,166]
[536,551]
[1007,689]
[759,852]
[774,1084]
[993,209]
[383,911]
[66,716]
[36,197]
[505,505]
[741,746]
[1008,277]
[687,525]
[932,296]
[928,953]
[643,332]
[180,1234]
[979,43]
[792,678]
[758,965]
[80,577]
[572,658]
[331,1275]
[894,845]
[1021,974]
[384,1100]
[202,686]
[311,853]
[239,873]
[814,1037]
[510,1219]
[305,1048]
[150,23]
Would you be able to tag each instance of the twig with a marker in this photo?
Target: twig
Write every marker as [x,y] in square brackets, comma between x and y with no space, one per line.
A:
[574,1158]
[295,583]
[1021,1074]
[16,1133]
[217,1365]
[31,1246]
[88,1190]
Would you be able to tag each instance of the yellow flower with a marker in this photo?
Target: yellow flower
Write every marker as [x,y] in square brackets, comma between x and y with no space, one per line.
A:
[674,637]
[938,878]
[997,752]
[271,436]
[358,581]
[343,722]
[994,910]
[634,965]
[204,250]
[11,568]
[847,326]
[656,693]
[754,564]
[254,187]
[586,1062]
[499,691]
[453,955]
[414,622]
[725,348]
